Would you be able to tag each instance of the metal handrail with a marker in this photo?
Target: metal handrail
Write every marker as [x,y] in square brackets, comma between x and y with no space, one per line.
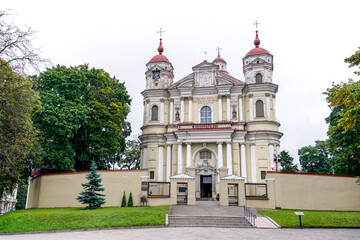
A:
[249,215]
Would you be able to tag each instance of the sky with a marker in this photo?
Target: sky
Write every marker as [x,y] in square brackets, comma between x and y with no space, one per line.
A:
[308,39]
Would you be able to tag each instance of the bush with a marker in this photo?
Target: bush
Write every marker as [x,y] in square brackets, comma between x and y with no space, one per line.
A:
[130,201]
[123,202]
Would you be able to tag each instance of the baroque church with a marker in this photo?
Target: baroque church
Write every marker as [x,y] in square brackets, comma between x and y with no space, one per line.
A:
[210,122]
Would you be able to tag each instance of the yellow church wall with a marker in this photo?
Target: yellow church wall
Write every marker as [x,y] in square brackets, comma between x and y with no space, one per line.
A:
[61,190]
[315,191]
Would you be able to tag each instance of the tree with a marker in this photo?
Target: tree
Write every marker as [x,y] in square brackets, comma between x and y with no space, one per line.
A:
[130,158]
[123,201]
[16,48]
[83,116]
[316,159]
[130,202]
[89,195]
[19,146]
[287,162]
[344,122]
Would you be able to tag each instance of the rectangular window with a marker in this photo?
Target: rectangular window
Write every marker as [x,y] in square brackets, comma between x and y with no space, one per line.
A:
[152,175]
[205,155]
[263,175]
[159,189]
[144,186]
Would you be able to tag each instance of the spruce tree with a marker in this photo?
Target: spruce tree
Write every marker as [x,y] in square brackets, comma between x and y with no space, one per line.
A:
[123,202]
[89,195]
[130,201]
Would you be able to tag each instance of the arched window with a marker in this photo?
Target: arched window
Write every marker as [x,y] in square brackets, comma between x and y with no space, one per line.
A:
[154,113]
[205,155]
[258,78]
[205,114]
[259,108]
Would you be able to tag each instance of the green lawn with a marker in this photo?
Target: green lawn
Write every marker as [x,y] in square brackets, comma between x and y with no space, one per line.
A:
[76,218]
[287,218]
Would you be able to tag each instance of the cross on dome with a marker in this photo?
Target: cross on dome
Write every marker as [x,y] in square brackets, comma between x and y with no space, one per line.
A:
[218,49]
[161,32]
[160,48]
[205,54]
[257,40]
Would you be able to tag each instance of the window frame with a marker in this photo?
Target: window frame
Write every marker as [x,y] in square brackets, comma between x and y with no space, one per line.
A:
[258,114]
[209,117]
[152,116]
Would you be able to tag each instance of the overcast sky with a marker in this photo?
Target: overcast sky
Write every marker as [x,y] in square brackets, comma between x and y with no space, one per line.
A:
[309,41]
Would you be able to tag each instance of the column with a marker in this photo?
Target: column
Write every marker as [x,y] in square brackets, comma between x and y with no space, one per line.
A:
[268,106]
[251,108]
[180,159]
[147,111]
[144,117]
[278,153]
[220,108]
[253,164]
[228,108]
[190,109]
[243,161]
[168,162]
[145,158]
[182,110]
[141,157]
[274,110]
[220,155]
[171,111]
[161,164]
[229,157]
[240,109]
[188,154]
[271,154]
[162,110]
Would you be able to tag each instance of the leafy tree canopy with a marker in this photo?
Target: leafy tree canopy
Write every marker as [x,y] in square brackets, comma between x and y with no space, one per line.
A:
[83,116]
[344,122]
[287,162]
[130,158]
[19,147]
[316,159]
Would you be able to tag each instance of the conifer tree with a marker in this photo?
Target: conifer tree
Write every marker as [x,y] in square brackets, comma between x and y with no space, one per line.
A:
[130,201]
[123,202]
[89,195]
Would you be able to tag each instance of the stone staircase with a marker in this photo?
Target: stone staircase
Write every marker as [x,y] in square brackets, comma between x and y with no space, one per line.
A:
[207,214]
[209,221]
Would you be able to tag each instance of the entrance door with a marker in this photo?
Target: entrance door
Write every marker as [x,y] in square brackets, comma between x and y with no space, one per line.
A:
[233,194]
[182,193]
[206,186]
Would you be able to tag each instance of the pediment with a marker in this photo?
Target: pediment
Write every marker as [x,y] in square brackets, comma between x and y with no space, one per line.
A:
[257,61]
[155,67]
[187,83]
[205,65]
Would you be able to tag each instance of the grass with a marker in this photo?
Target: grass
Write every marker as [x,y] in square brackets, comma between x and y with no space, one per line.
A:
[77,218]
[287,218]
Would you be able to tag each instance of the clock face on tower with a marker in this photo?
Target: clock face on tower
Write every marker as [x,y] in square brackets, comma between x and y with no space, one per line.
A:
[205,80]
[156,74]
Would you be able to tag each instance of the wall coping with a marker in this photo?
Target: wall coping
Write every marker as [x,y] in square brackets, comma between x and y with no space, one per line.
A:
[81,172]
[314,174]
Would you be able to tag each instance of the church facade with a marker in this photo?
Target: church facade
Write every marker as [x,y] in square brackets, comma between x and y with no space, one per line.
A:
[209,122]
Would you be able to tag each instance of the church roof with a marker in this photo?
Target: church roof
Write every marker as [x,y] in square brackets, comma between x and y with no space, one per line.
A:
[219,59]
[257,50]
[160,57]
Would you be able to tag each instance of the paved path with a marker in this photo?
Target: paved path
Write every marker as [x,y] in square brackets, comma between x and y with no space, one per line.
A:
[194,233]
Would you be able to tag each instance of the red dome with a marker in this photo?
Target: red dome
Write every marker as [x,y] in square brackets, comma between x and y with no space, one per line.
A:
[219,59]
[257,51]
[159,58]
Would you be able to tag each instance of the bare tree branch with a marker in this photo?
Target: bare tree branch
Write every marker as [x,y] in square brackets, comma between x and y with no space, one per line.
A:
[16,47]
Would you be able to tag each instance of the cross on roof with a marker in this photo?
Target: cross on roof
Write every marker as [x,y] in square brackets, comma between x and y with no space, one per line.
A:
[256,23]
[218,49]
[161,32]
[205,54]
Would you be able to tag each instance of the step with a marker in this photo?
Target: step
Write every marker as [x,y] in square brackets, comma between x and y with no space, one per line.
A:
[209,221]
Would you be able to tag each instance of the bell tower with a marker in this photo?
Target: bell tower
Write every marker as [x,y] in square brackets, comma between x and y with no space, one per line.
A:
[159,70]
[258,64]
